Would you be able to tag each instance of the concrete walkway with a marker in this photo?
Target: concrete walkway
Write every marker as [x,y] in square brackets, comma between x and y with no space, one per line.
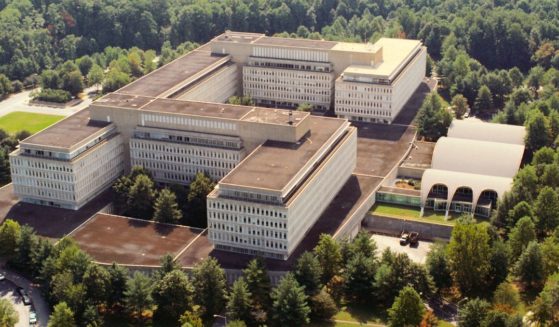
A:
[39,303]
[20,102]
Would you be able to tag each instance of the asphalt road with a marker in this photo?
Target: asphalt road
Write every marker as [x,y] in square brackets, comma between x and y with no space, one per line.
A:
[20,102]
[8,290]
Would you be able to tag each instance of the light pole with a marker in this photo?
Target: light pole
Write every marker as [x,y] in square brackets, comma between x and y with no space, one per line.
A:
[222,317]
[458,306]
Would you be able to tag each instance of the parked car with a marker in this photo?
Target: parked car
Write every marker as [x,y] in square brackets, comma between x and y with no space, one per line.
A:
[32,318]
[2,277]
[24,296]
[414,238]
[404,238]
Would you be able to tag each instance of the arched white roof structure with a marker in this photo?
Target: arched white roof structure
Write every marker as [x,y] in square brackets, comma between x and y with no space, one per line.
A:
[454,180]
[477,157]
[471,129]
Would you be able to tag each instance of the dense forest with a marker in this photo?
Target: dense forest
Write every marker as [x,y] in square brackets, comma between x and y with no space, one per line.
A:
[497,59]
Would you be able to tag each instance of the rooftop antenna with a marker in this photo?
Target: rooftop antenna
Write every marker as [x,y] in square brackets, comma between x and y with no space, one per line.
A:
[290,122]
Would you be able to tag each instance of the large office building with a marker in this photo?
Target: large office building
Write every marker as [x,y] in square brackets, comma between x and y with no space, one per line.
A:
[277,169]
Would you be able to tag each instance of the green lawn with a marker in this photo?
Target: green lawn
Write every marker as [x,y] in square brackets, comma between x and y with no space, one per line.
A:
[410,213]
[19,121]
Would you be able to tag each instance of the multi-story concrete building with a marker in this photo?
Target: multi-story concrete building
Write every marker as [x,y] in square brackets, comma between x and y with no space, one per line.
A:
[68,164]
[277,169]
[363,82]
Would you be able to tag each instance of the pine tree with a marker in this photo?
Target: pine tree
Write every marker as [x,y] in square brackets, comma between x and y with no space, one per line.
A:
[308,273]
[239,303]
[530,267]
[173,295]
[258,282]
[199,189]
[407,309]
[460,105]
[166,208]
[210,286]
[546,209]
[359,278]
[141,196]
[137,295]
[290,303]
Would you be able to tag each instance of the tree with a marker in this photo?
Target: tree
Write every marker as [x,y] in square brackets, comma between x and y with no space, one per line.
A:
[328,253]
[550,253]
[460,105]
[322,306]
[166,208]
[363,244]
[469,256]
[472,313]
[305,106]
[289,304]
[141,196]
[114,80]
[535,78]
[407,309]
[173,295]
[191,319]
[95,76]
[97,283]
[506,297]
[137,295]
[210,286]
[8,315]
[521,235]
[50,79]
[239,303]
[432,119]
[538,133]
[359,278]
[546,208]
[546,306]
[118,277]
[258,282]
[500,254]
[10,233]
[484,100]
[308,273]
[529,268]
[62,316]
[437,266]
[429,320]
[199,190]
[73,82]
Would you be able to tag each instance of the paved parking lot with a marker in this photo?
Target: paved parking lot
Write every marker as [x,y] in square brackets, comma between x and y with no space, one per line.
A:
[8,291]
[417,254]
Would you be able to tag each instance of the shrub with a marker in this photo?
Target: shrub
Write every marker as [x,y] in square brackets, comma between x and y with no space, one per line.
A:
[51,95]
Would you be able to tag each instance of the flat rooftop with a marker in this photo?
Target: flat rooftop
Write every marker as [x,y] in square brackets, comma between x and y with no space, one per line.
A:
[420,156]
[67,132]
[274,164]
[130,241]
[224,111]
[395,55]
[126,101]
[49,222]
[172,74]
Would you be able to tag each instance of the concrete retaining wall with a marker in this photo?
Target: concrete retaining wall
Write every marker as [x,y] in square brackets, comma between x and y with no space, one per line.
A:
[394,226]
[411,172]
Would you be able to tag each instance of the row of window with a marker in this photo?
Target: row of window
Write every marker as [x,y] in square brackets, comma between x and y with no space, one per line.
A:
[246,220]
[240,229]
[247,209]
[236,239]
[292,54]
[360,88]
[361,111]
[186,121]
[250,72]
[162,151]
